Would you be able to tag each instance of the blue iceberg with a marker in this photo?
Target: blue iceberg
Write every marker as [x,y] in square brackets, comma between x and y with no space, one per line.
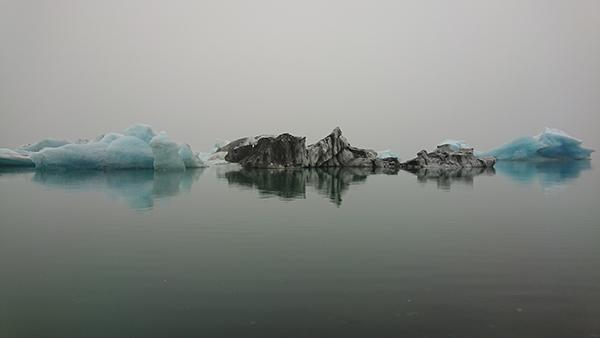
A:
[129,152]
[551,144]
[166,154]
[112,151]
[455,145]
[137,148]
[11,158]
[45,143]
[190,158]
[387,154]
[142,131]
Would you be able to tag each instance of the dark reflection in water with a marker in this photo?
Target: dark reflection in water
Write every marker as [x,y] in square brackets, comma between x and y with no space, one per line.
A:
[137,188]
[291,183]
[446,178]
[548,173]
[15,171]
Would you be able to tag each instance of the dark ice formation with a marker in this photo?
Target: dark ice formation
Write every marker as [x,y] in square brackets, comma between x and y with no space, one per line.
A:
[447,157]
[288,151]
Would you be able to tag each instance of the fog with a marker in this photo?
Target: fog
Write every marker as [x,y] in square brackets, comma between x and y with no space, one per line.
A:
[392,74]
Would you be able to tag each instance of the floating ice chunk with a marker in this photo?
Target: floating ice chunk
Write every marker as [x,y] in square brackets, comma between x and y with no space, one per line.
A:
[254,140]
[455,145]
[72,156]
[244,141]
[112,151]
[129,152]
[521,149]
[219,144]
[558,144]
[551,144]
[386,154]
[11,158]
[45,143]
[108,138]
[142,131]
[204,156]
[217,158]
[166,154]
[190,159]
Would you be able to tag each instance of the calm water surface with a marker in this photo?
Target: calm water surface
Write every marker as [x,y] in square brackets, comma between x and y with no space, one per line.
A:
[223,252]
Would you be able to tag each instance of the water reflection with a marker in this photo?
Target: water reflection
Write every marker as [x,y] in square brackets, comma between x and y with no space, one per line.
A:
[446,178]
[15,171]
[291,183]
[137,188]
[140,189]
[548,173]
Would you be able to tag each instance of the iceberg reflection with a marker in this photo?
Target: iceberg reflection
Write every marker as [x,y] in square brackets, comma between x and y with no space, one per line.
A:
[445,178]
[547,173]
[137,188]
[291,184]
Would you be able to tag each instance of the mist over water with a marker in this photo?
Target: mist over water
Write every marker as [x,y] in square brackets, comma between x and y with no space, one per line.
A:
[400,75]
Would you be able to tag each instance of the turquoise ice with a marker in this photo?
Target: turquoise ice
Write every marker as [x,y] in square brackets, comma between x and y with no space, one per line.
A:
[139,147]
[551,144]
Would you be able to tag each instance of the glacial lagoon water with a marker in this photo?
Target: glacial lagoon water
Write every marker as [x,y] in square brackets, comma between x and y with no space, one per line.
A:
[224,252]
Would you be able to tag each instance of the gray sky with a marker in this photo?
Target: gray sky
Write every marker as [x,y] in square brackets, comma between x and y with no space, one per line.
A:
[392,74]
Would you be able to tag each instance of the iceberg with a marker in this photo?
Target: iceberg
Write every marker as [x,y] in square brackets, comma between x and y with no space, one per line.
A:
[45,143]
[190,159]
[219,144]
[129,152]
[71,156]
[137,148]
[217,158]
[387,154]
[113,151]
[142,131]
[11,158]
[244,141]
[288,151]
[551,144]
[455,145]
[166,153]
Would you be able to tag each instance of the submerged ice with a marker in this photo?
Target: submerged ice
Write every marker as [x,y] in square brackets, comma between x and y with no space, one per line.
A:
[551,144]
[137,148]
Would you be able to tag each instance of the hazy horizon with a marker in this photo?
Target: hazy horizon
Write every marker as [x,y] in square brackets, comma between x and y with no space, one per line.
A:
[392,74]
